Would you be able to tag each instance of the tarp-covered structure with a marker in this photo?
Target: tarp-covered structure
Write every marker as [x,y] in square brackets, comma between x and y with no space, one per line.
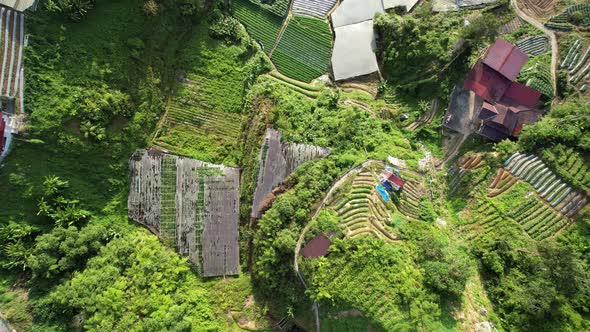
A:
[190,204]
[277,160]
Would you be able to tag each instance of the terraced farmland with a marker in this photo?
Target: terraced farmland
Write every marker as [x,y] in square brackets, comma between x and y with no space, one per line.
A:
[303,53]
[203,118]
[539,220]
[485,218]
[188,124]
[562,20]
[576,63]
[261,24]
[410,199]
[457,172]
[362,211]
[553,190]
[535,45]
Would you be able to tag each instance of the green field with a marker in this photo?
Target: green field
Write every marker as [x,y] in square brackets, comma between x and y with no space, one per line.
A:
[203,119]
[303,53]
[262,25]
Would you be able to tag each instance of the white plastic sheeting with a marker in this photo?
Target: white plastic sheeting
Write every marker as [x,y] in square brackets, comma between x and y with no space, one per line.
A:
[356,11]
[353,51]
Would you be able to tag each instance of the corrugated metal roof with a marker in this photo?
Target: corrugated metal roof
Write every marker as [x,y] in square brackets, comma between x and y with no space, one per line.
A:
[317,247]
[505,58]
[396,180]
[520,94]
[486,82]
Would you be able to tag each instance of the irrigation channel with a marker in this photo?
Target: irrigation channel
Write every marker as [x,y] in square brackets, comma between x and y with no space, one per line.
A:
[336,184]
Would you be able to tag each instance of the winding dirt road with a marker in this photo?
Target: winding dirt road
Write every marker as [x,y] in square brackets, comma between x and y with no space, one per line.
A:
[549,33]
[307,227]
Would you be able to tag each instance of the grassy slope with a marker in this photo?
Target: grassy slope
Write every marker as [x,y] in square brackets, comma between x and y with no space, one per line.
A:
[218,73]
[103,49]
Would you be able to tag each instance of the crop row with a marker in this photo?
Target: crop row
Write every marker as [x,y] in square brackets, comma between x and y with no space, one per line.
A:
[262,25]
[168,199]
[583,9]
[303,53]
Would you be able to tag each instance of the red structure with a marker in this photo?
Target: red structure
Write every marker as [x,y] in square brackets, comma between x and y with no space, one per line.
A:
[391,181]
[505,58]
[2,128]
[508,105]
[317,247]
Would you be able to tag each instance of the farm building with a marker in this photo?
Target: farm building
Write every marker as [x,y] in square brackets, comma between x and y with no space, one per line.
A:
[190,204]
[391,181]
[356,11]
[508,105]
[353,53]
[354,42]
[317,247]
[277,160]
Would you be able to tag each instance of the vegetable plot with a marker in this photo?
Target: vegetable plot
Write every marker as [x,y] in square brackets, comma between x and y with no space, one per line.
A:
[303,53]
[261,24]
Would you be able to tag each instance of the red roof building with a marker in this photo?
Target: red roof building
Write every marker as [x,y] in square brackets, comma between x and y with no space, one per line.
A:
[508,105]
[505,58]
[317,247]
[486,82]
[2,128]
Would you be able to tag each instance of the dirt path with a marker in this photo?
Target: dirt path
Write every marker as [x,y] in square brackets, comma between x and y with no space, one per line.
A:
[426,117]
[458,139]
[307,227]
[360,104]
[550,34]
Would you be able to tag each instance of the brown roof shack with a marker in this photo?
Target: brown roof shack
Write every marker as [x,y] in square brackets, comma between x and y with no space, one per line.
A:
[508,105]
[317,247]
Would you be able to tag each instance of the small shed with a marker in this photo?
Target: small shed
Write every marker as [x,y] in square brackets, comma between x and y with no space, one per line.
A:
[317,247]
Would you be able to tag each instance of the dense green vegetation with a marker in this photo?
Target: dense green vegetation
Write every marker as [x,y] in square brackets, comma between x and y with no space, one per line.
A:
[303,53]
[106,78]
[203,119]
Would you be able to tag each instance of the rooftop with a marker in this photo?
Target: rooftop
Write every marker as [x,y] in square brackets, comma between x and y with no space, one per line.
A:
[505,58]
[317,247]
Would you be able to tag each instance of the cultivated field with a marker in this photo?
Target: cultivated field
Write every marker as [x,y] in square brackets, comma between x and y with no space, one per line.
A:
[262,25]
[203,117]
[575,62]
[303,53]
[12,34]
[362,210]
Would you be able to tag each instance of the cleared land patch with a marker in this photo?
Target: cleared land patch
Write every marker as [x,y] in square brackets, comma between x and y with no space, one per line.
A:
[303,53]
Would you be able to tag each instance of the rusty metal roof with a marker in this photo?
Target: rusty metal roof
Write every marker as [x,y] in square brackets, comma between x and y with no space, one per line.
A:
[317,247]
[505,58]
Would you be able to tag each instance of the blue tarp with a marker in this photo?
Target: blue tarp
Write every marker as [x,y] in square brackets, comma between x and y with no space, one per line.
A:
[382,192]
